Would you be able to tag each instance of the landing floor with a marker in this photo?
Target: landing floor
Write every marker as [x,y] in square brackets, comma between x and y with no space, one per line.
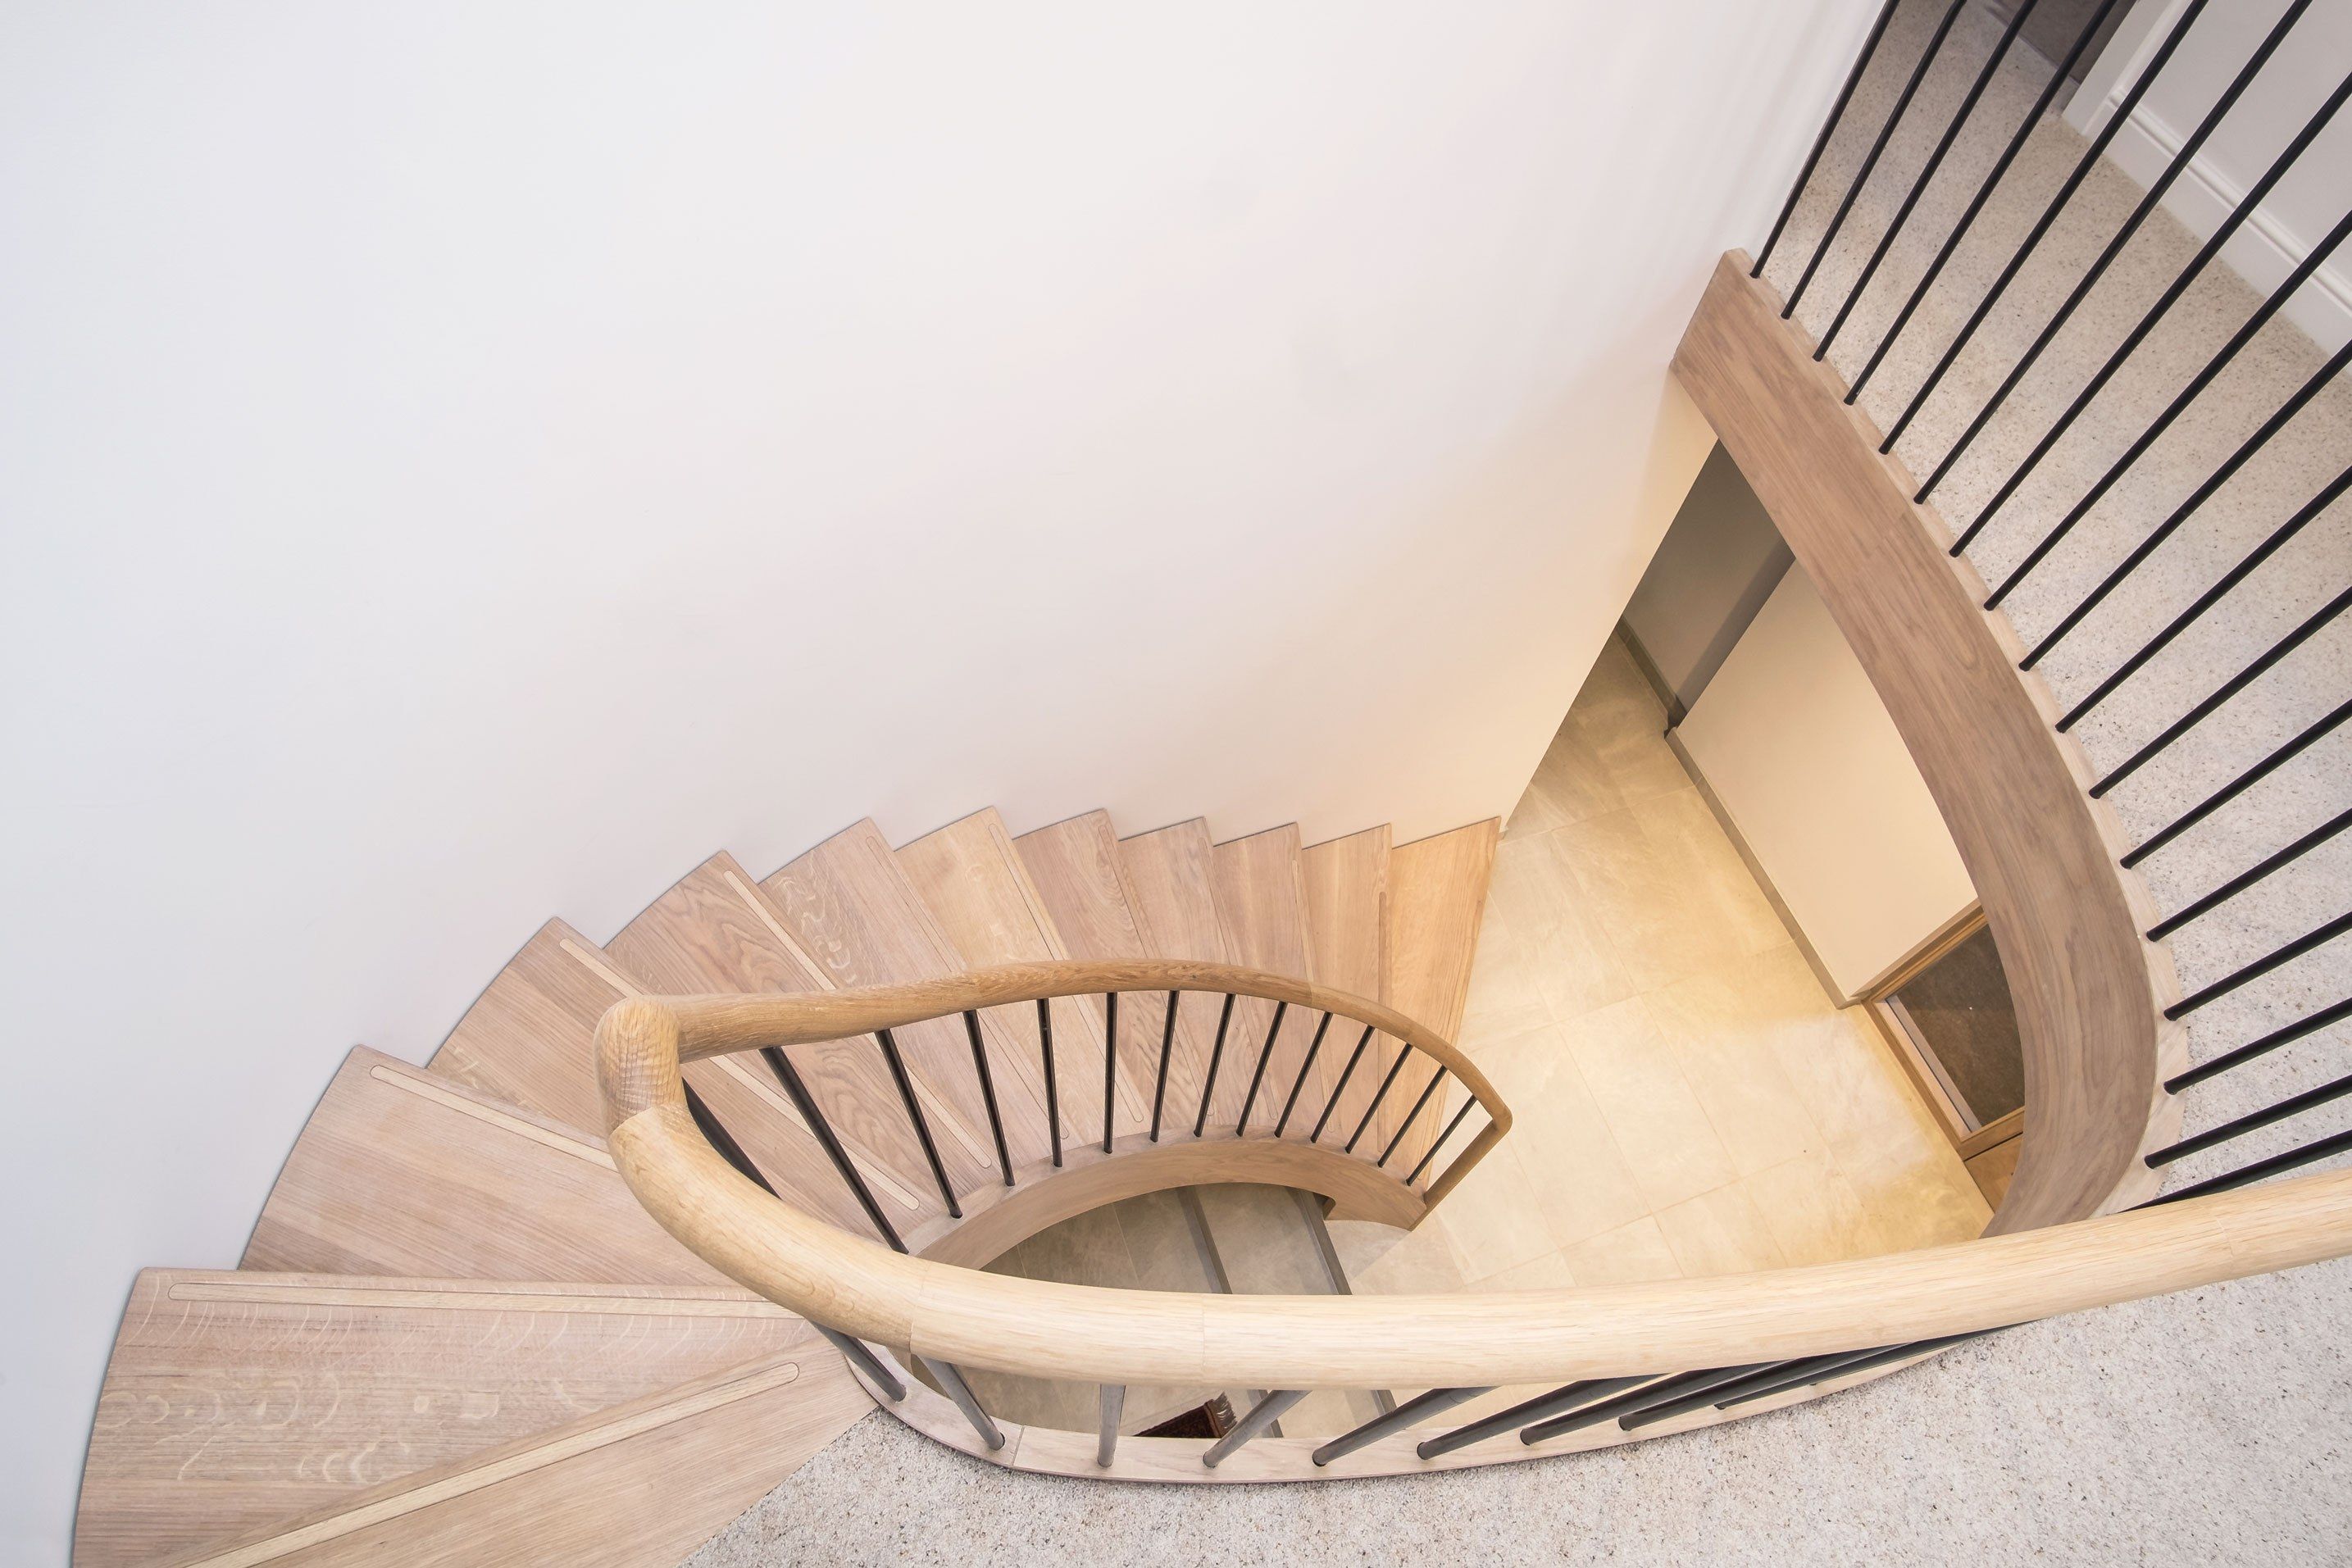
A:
[1687,1100]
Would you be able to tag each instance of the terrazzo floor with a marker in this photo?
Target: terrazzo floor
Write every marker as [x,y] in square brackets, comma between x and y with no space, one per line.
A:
[2208,1426]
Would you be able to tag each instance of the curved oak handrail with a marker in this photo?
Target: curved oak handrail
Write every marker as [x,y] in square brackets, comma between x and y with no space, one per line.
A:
[1090,1333]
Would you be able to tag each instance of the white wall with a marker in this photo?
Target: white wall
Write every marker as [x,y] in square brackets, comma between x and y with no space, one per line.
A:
[1794,742]
[2307,201]
[463,463]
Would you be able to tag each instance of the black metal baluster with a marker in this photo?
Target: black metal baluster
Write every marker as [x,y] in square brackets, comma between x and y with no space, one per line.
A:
[2220,361]
[2309,1024]
[1110,1063]
[1216,1056]
[1053,1085]
[1110,1401]
[1870,162]
[781,1064]
[1456,1122]
[2253,874]
[951,1380]
[1167,1046]
[2228,689]
[854,1351]
[724,1141]
[2180,514]
[914,1114]
[1821,1368]
[2316,938]
[2310,1099]
[2058,79]
[1435,1079]
[988,1093]
[1257,1076]
[2245,1176]
[2239,214]
[1300,1082]
[1262,1415]
[1663,1391]
[2235,786]
[2209,599]
[1403,1050]
[2081,171]
[1341,1087]
[1572,1396]
[2098,269]
[1927,173]
[1822,141]
[1434,1402]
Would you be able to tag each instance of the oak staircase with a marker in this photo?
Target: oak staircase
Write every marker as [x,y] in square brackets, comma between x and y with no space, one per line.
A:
[455,1323]
[469,1326]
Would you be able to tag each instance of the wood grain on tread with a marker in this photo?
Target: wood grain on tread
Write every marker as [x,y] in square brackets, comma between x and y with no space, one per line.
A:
[531,1037]
[399,1170]
[639,1485]
[970,876]
[1259,885]
[849,905]
[1347,920]
[1079,870]
[2084,981]
[716,931]
[1437,896]
[236,1401]
[1170,878]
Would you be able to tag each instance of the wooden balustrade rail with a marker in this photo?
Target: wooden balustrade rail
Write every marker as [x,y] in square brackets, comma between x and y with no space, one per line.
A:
[1084,1332]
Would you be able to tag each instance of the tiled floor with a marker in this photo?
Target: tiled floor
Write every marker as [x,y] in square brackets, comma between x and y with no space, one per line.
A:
[1687,1100]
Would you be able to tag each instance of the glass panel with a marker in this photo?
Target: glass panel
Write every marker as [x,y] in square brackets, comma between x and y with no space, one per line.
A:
[1958,1011]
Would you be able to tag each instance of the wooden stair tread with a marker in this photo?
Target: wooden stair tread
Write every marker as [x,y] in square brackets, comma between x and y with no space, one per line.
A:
[973,882]
[401,1171]
[1437,896]
[530,1038]
[1078,869]
[1172,888]
[1347,921]
[716,931]
[1259,885]
[236,1402]
[850,905]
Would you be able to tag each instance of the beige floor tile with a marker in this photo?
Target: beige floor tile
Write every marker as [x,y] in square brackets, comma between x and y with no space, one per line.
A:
[1719,1232]
[1659,1127]
[1548,1272]
[1811,1210]
[1641,894]
[1623,1255]
[1506,990]
[1925,1201]
[1420,1259]
[1581,1183]
[1493,1218]
[1665,886]
[1722,1037]
[1535,899]
[1735,900]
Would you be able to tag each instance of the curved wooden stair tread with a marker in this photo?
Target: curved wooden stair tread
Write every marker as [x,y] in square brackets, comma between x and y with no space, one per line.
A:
[972,880]
[716,930]
[1077,868]
[401,1171]
[1259,885]
[251,1417]
[416,1198]
[1170,883]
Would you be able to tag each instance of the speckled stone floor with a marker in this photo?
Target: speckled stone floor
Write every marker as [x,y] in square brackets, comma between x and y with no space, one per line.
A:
[2208,1426]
